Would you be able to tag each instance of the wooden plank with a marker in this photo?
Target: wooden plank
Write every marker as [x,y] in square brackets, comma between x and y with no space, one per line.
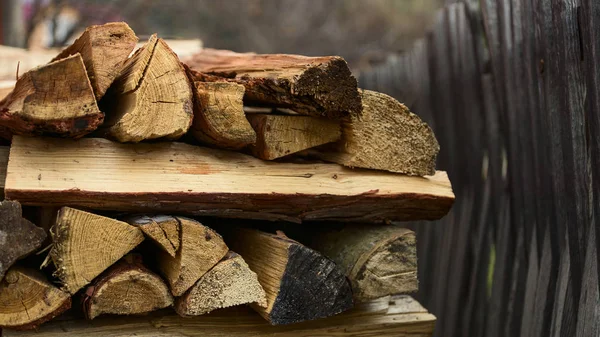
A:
[176,177]
[396,316]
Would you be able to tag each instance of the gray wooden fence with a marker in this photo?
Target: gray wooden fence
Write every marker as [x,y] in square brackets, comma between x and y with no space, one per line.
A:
[512,90]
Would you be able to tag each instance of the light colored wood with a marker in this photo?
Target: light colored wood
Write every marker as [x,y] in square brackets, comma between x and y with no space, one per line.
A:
[104,49]
[151,98]
[126,288]
[200,248]
[180,178]
[386,137]
[86,244]
[163,230]
[280,135]
[56,98]
[219,117]
[227,284]
[317,86]
[18,236]
[300,284]
[386,317]
[27,299]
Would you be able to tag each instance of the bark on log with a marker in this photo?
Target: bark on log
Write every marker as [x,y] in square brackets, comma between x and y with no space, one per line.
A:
[180,178]
[85,244]
[227,284]
[316,86]
[55,99]
[300,283]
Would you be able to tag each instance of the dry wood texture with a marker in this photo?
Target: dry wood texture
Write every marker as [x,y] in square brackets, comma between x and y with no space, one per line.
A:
[163,230]
[397,317]
[219,117]
[378,260]
[279,135]
[175,177]
[151,98]
[126,288]
[300,283]
[104,49]
[229,283]
[27,299]
[318,86]
[200,248]
[18,236]
[55,99]
[386,137]
[85,244]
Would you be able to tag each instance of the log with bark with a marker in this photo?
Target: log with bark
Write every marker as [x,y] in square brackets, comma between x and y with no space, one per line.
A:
[54,99]
[18,236]
[27,299]
[151,98]
[180,178]
[300,283]
[280,135]
[126,288]
[227,284]
[316,86]
[86,244]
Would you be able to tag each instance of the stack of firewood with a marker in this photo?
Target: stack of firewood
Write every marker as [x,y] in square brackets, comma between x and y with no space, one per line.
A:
[228,179]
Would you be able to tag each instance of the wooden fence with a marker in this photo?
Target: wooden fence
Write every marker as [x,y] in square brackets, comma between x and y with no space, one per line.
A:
[512,90]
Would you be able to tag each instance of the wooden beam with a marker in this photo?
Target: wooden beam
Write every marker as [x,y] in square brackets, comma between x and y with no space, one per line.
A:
[317,86]
[180,178]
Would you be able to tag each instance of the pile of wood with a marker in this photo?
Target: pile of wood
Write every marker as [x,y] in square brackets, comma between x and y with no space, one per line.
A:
[228,179]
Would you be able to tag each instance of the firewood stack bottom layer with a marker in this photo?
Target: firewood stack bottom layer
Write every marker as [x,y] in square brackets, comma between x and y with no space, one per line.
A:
[134,182]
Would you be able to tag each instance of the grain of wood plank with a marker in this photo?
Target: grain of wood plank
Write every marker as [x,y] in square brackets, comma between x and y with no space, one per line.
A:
[101,174]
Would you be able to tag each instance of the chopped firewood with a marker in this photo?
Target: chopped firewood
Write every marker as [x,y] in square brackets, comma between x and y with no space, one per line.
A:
[300,283]
[151,98]
[219,115]
[316,86]
[229,283]
[18,236]
[200,248]
[161,229]
[104,49]
[387,137]
[28,299]
[126,288]
[280,135]
[378,260]
[86,244]
[180,178]
[55,99]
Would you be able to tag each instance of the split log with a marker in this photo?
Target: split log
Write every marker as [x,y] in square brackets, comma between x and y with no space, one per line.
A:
[316,86]
[280,135]
[54,99]
[229,283]
[378,260]
[126,288]
[219,117]
[163,230]
[300,283]
[86,244]
[386,137]
[104,49]
[178,178]
[28,299]
[151,98]
[18,236]
[200,248]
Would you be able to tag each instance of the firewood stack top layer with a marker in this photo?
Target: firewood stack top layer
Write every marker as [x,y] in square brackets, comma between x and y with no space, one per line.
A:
[228,180]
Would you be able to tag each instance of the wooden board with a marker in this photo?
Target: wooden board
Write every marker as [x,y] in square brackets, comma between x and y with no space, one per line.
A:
[399,316]
[181,178]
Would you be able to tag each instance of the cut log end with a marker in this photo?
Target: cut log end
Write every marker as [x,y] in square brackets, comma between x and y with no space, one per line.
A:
[29,300]
[162,230]
[127,288]
[229,283]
